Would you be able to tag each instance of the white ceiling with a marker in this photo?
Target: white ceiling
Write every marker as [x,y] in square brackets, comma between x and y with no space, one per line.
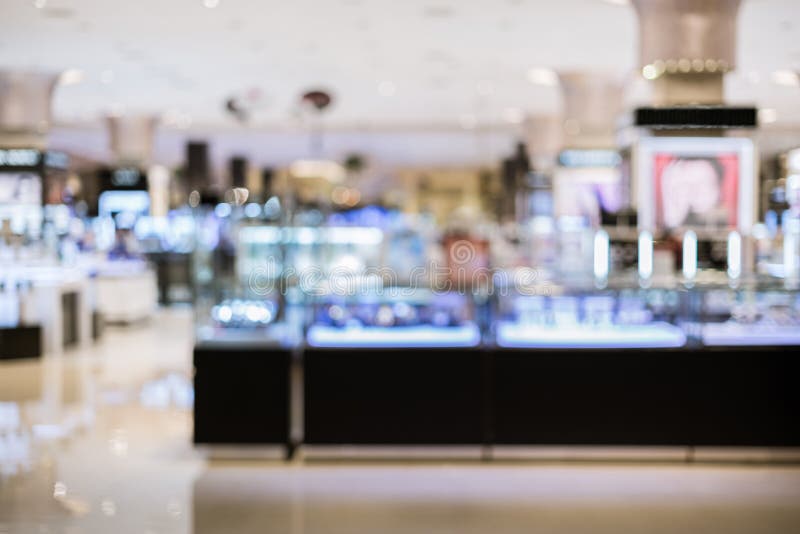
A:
[448,61]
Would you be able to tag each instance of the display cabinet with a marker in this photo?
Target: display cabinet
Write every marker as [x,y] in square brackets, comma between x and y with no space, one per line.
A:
[694,365]
[396,367]
[245,339]
[347,334]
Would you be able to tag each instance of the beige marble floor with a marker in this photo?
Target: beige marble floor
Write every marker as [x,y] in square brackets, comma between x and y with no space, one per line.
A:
[97,441]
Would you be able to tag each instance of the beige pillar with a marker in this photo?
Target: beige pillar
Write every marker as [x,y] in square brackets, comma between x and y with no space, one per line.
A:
[544,137]
[131,138]
[25,113]
[686,47]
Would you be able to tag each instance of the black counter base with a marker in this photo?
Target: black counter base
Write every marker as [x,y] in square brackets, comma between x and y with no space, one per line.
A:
[743,397]
[241,396]
[395,396]
[736,397]
[20,342]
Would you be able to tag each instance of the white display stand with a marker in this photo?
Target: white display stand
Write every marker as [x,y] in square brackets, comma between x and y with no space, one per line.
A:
[43,303]
[125,291]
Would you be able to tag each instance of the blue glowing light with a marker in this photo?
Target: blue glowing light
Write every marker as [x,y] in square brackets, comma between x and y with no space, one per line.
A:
[420,336]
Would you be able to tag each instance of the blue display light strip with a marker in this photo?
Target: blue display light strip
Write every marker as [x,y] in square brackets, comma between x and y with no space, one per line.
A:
[733,334]
[466,335]
[653,335]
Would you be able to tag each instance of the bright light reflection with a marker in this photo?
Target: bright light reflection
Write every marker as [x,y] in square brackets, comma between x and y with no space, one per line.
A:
[734,254]
[645,255]
[601,255]
[689,255]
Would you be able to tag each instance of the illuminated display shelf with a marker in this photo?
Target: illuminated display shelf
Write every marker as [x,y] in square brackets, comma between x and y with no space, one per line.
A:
[651,335]
[735,334]
[467,335]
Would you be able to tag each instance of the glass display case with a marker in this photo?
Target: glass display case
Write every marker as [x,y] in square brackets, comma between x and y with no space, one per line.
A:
[628,318]
[241,277]
[394,317]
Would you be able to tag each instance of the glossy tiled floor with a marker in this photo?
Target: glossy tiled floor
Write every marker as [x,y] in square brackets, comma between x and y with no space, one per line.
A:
[97,441]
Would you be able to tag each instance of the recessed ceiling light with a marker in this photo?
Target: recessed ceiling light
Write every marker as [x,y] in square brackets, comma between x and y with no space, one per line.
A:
[767,115]
[650,72]
[618,2]
[786,77]
[71,77]
[211,4]
[540,76]
[39,4]
[386,88]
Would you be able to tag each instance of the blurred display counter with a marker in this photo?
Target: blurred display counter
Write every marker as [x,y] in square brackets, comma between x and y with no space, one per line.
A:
[173,270]
[444,392]
[54,302]
[626,344]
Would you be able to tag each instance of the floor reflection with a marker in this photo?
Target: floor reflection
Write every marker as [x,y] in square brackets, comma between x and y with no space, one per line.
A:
[495,499]
[98,440]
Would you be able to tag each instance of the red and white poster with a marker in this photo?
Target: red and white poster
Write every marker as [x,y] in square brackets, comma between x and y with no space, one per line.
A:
[696,191]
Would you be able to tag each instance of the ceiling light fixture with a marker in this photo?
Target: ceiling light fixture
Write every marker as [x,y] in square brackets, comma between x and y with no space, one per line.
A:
[767,115]
[618,2]
[39,4]
[649,72]
[541,76]
[786,77]
[70,77]
[325,169]
[211,4]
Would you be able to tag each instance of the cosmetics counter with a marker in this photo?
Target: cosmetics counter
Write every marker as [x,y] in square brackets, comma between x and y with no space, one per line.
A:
[399,367]
[659,367]
[45,309]
[639,358]
[243,344]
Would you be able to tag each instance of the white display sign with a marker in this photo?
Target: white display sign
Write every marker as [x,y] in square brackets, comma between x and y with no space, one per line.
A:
[19,157]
